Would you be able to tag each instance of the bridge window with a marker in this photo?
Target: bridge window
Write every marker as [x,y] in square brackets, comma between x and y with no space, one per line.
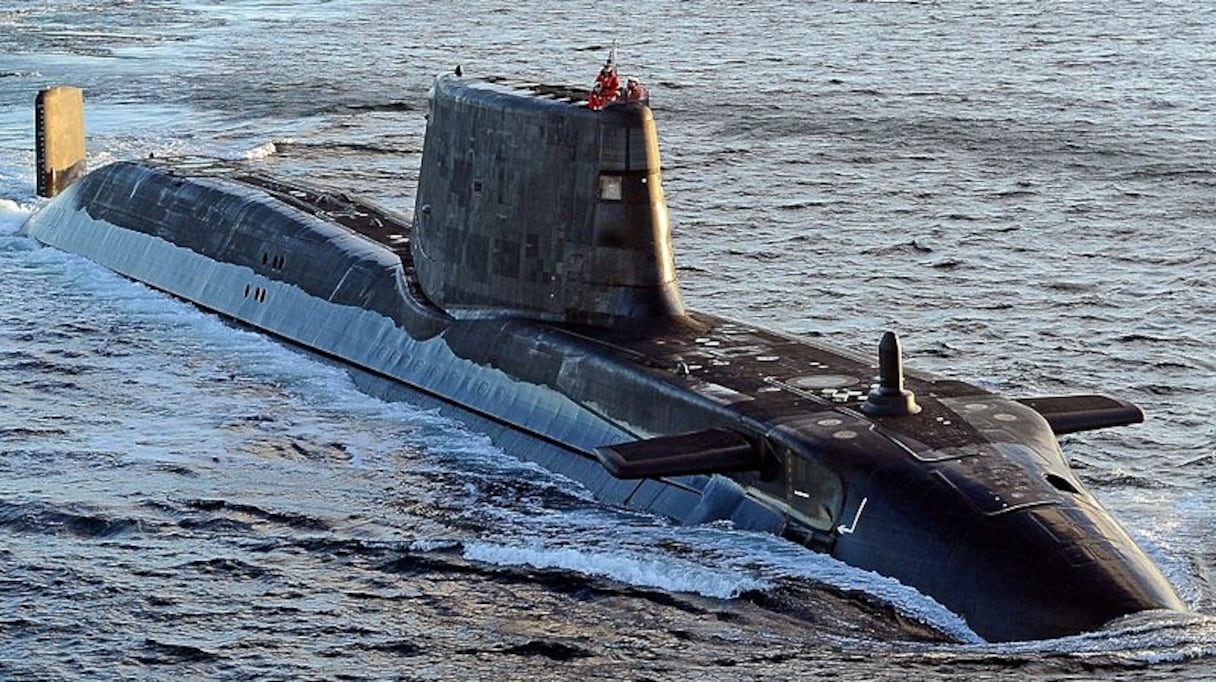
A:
[610,187]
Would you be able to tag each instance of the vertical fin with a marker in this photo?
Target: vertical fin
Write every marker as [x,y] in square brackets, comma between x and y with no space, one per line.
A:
[59,138]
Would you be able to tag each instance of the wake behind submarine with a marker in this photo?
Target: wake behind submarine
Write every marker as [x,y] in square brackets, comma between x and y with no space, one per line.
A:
[535,290]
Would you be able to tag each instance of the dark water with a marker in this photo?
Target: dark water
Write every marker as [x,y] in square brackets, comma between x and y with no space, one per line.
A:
[1024,191]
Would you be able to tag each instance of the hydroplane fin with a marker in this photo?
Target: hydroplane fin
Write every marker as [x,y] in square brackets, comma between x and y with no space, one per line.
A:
[699,452]
[1073,413]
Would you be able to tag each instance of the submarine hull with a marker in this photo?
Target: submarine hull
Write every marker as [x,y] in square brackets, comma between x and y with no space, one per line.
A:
[350,303]
[652,407]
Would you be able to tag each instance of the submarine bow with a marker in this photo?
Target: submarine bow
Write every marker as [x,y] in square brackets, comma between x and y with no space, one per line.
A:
[534,292]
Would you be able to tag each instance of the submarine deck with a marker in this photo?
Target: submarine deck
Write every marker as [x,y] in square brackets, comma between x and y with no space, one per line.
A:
[759,373]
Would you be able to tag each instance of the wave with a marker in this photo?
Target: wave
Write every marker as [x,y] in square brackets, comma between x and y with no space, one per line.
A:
[665,573]
[290,147]
[287,519]
[382,106]
[44,518]
[156,652]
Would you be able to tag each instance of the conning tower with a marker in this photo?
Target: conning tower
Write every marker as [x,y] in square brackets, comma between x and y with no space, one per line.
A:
[538,207]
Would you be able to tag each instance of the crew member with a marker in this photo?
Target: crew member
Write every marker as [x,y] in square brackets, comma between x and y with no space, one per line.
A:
[635,91]
[595,101]
[609,83]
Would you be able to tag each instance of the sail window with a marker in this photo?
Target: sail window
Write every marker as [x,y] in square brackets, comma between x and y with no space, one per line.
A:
[610,187]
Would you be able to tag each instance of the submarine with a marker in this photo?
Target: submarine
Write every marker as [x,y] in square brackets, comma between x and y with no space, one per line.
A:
[534,289]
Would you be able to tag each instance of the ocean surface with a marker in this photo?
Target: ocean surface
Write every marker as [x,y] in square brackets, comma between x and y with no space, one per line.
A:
[1025,191]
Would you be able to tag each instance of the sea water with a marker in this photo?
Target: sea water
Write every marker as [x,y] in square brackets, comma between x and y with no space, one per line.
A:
[1025,192]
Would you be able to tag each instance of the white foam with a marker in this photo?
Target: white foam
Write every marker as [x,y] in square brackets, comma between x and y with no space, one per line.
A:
[778,557]
[262,151]
[433,545]
[13,216]
[257,152]
[714,560]
[665,573]
[741,562]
